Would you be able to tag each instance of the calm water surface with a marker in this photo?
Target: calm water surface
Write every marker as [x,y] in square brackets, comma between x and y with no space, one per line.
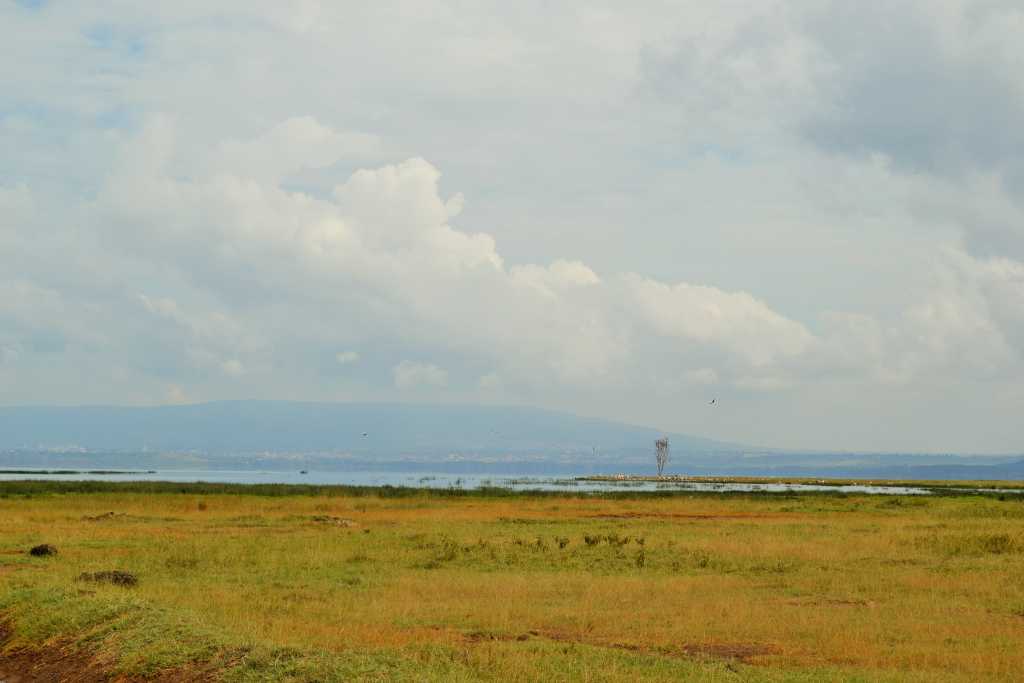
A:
[443,481]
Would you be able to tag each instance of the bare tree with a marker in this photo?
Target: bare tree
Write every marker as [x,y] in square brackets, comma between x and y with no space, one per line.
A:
[661,453]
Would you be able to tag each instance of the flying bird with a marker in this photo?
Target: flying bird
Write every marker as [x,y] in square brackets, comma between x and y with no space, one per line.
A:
[712,401]
[364,433]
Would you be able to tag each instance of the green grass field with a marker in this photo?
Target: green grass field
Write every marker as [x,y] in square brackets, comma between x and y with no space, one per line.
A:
[246,583]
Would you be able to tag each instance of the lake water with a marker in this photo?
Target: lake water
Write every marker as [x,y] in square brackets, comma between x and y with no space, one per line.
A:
[566,482]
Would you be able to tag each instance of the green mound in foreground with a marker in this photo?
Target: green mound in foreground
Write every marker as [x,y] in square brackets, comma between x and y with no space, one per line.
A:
[373,585]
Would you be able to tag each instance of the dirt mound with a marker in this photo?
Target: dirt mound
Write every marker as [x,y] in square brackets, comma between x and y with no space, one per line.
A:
[63,663]
[114,576]
[742,652]
[53,664]
[43,550]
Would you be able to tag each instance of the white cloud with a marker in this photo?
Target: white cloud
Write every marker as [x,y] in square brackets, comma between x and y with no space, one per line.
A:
[660,198]
[383,249]
[702,376]
[560,275]
[411,374]
[734,321]
[289,147]
[15,203]
[203,339]
[491,382]
[262,263]
[233,367]
[176,395]
[7,354]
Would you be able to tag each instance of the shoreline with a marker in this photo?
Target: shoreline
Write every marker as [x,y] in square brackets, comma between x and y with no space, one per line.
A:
[29,470]
[43,486]
[975,484]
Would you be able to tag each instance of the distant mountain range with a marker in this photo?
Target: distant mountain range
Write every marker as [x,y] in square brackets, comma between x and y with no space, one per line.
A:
[390,429]
[445,438]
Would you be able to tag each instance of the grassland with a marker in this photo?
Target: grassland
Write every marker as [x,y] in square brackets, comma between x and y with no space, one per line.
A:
[322,583]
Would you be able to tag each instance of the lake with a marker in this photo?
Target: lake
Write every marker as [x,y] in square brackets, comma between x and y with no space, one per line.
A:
[433,480]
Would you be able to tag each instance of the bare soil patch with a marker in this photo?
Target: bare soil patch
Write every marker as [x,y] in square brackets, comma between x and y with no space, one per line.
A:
[683,515]
[491,636]
[63,664]
[741,652]
[830,602]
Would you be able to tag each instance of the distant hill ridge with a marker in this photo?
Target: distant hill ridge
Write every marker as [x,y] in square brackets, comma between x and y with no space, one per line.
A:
[285,435]
[286,426]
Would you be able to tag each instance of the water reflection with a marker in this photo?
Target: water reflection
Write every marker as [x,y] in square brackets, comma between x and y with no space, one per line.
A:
[444,481]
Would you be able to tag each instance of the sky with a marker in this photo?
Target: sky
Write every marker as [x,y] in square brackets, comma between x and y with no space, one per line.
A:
[812,211]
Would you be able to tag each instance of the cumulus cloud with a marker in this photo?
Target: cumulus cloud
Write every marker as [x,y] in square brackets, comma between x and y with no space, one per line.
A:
[176,395]
[290,146]
[734,321]
[911,89]
[934,89]
[15,202]
[346,357]
[491,382]
[233,366]
[559,275]
[38,319]
[411,374]
[702,376]
[205,339]
[800,203]
[381,248]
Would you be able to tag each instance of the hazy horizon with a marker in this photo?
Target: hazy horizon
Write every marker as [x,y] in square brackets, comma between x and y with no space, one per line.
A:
[450,421]
[811,212]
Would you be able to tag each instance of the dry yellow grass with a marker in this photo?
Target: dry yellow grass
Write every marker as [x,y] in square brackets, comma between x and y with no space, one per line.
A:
[795,587]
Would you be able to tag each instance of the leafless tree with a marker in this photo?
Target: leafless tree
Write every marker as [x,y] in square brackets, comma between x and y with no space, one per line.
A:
[661,453]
